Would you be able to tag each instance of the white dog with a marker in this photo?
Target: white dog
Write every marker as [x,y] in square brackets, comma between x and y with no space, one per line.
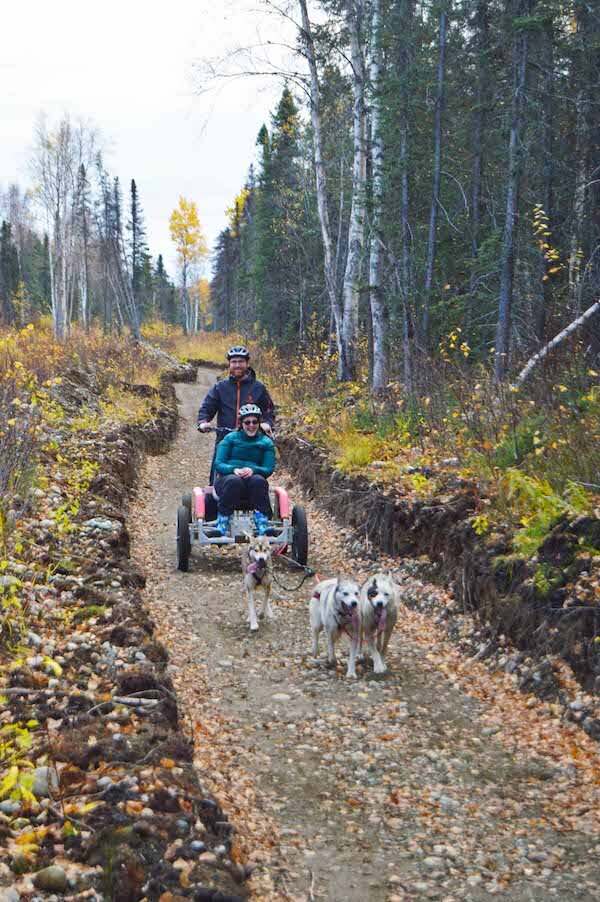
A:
[379,613]
[257,567]
[335,608]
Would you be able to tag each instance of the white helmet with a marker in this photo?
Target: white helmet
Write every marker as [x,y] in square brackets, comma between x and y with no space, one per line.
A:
[249,410]
[238,351]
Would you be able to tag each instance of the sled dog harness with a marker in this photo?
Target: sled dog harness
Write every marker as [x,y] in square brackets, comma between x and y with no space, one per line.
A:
[257,569]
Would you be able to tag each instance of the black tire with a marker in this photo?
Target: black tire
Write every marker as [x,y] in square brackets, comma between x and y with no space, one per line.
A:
[184,544]
[300,535]
[186,501]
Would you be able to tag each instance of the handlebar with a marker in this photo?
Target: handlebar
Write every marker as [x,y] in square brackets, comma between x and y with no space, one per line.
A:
[223,429]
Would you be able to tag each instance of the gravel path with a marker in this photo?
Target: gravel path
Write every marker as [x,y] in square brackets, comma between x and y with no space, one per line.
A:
[438,781]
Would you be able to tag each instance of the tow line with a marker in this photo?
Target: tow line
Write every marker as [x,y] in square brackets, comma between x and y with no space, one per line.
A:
[308,571]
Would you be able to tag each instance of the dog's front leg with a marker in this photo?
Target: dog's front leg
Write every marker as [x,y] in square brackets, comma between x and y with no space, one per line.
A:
[315,624]
[331,650]
[378,662]
[386,642]
[269,612]
[351,672]
[315,640]
[251,610]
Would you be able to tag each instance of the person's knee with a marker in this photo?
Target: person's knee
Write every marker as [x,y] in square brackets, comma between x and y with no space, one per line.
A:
[257,480]
[234,481]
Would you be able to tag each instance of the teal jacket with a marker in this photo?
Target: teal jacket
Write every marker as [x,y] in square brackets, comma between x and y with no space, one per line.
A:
[238,450]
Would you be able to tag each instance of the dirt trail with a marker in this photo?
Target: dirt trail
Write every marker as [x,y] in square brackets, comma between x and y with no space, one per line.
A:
[383,789]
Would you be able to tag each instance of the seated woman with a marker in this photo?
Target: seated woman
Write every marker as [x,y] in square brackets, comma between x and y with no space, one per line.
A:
[244,460]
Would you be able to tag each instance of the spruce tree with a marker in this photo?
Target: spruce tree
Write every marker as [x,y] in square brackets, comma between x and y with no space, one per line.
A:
[10,272]
[137,251]
[279,222]
[165,294]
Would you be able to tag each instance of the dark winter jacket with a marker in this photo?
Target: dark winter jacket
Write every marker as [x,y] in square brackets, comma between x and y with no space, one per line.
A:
[238,450]
[227,396]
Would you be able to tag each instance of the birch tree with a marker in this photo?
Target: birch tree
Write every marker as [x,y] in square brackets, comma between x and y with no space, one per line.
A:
[55,166]
[556,341]
[378,311]
[83,270]
[330,270]
[404,274]
[355,11]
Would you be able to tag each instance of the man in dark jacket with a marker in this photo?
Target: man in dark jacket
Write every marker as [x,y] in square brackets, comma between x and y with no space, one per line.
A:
[227,396]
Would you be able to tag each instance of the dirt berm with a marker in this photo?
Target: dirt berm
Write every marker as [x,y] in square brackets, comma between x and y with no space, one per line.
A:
[556,616]
[120,812]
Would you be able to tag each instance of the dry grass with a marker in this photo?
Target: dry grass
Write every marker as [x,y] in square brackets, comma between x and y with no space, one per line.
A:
[31,362]
[211,346]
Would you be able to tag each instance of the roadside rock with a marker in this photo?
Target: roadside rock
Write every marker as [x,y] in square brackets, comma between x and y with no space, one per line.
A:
[45,782]
[52,879]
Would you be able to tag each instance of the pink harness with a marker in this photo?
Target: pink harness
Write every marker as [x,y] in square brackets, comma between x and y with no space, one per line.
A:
[355,621]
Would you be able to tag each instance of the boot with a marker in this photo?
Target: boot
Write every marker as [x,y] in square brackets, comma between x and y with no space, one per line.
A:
[261,522]
[222,524]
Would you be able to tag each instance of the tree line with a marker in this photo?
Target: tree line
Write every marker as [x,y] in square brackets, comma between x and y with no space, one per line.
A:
[74,244]
[430,165]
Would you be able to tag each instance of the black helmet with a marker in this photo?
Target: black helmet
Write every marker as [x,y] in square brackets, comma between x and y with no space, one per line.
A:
[238,351]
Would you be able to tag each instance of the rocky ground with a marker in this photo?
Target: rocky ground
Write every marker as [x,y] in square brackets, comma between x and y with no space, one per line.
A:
[439,780]
[99,796]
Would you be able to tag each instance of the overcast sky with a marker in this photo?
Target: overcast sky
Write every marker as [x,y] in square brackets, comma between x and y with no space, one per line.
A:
[127,65]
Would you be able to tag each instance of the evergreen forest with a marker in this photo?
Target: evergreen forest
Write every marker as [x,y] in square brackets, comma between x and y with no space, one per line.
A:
[433,166]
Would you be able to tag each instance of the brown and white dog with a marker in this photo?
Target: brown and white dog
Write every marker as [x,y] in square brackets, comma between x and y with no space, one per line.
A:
[379,613]
[257,567]
[335,609]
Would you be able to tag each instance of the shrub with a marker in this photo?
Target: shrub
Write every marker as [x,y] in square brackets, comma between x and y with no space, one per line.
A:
[354,450]
[538,507]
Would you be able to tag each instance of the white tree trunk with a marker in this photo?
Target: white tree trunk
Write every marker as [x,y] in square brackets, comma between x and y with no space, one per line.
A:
[347,369]
[323,210]
[558,339]
[405,284]
[60,305]
[83,292]
[52,283]
[196,313]
[378,312]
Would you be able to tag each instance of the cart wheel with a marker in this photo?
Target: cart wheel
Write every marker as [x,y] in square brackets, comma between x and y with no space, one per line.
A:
[184,544]
[186,501]
[299,535]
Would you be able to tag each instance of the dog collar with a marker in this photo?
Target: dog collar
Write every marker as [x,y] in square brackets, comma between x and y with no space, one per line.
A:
[353,616]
